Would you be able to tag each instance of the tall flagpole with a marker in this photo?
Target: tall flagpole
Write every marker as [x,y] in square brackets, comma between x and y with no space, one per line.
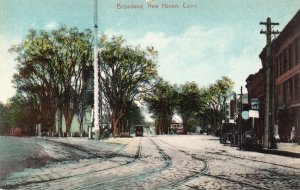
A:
[96,85]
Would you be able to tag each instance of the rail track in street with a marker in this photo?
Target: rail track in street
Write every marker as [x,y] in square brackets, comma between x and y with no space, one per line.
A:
[158,163]
[238,157]
[187,178]
[82,149]
[240,182]
[139,173]
[167,162]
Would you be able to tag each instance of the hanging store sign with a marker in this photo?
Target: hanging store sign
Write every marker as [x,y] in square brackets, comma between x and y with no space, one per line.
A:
[253,113]
[254,104]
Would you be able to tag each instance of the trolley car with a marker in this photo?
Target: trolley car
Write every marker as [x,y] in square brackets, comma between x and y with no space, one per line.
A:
[139,130]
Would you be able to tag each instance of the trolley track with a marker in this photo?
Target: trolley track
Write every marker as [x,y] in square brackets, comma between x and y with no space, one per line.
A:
[238,157]
[139,174]
[83,149]
[177,183]
[242,183]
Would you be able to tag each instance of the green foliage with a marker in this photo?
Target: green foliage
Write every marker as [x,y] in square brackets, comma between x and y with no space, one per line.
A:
[49,70]
[161,104]
[189,103]
[127,74]
[4,119]
[132,116]
[214,97]
[18,113]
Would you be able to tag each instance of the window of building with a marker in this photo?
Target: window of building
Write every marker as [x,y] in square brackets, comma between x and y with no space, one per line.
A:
[297,50]
[284,98]
[291,87]
[277,67]
[280,94]
[290,60]
[282,64]
[285,61]
[297,86]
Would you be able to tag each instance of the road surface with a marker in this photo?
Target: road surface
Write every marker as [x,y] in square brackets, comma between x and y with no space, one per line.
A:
[155,162]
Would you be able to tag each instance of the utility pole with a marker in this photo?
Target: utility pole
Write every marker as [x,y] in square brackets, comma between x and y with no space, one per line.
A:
[268,130]
[96,82]
[241,120]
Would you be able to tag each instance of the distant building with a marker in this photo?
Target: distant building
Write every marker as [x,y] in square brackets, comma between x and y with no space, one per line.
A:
[15,131]
[176,127]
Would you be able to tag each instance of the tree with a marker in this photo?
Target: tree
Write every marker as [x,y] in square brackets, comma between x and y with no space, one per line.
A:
[22,114]
[127,74]
[74,55]
[50,72]
[36,76]
[4,121]
[215,97]
[189,102]
[162,103]
[132,116]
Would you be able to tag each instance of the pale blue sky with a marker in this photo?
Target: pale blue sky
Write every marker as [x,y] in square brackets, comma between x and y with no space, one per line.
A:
[219,37]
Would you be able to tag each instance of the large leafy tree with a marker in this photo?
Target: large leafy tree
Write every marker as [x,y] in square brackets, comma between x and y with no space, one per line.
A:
[215,97]
[162,103]
[49,71]
[73,56]
[189,103]
[35,74]
[127,73]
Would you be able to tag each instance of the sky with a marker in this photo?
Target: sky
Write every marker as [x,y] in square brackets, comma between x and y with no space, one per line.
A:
[211,39]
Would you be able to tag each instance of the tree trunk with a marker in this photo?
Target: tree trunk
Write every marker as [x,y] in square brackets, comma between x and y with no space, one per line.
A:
[185,124]
[68,113]
[115,121]
[52,123]
[60,116]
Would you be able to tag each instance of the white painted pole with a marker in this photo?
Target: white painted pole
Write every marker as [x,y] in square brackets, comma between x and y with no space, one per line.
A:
[96,84]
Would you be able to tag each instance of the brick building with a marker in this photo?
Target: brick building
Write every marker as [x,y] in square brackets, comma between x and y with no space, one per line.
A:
[286,74]
[255,86]
[285,82]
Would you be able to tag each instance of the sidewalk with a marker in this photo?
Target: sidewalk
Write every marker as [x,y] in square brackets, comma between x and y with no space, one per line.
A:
[284,149]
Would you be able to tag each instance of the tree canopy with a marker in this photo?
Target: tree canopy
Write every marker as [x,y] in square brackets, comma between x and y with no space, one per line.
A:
[55,71]
[189,102]
[127,74]
[50,71]
[162,103]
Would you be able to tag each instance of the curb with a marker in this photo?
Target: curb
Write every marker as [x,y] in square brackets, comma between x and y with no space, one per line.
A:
[279,152]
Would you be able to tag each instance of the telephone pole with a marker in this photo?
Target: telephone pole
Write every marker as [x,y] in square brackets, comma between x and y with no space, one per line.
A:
[268,130]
